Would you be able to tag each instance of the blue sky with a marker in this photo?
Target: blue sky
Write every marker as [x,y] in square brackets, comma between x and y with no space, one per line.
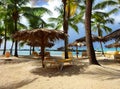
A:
[50,4]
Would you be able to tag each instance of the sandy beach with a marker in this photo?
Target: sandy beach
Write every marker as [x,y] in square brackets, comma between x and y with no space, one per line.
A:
[27,73]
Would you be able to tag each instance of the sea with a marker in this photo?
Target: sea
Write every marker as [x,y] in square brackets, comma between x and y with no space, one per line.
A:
[59,53]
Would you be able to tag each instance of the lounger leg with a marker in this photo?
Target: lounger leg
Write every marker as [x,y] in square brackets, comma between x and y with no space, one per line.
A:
[61,66]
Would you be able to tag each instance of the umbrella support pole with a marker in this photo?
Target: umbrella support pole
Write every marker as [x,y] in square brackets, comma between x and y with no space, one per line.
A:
[42,53]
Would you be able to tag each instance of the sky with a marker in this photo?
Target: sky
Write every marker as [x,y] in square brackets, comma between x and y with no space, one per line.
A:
[51,4]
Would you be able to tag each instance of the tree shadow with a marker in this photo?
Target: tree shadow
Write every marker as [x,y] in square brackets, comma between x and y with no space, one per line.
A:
[18,85]
[68,70]
[108,62]
[104,73]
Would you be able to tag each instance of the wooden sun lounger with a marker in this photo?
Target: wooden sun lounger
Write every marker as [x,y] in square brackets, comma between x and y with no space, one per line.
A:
[59,62]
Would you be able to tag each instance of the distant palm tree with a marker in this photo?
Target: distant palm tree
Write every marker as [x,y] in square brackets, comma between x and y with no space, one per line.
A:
[6,23]
[14,7]
[99,21]
[11,16]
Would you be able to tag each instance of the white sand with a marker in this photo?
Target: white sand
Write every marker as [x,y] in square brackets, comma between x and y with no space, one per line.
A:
[30,75]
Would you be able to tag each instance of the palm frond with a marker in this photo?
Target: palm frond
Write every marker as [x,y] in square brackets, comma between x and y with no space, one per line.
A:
[104,4]
[115,10]
[75,27]
[107,29]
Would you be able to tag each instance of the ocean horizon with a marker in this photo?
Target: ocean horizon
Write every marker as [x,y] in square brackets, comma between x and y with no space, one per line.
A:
[59,53]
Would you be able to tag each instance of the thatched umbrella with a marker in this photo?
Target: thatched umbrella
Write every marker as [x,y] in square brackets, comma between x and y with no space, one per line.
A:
[36,44]
[77,44]
[61,48]
[114,45]
[44,36]
[114,35]
[94,39]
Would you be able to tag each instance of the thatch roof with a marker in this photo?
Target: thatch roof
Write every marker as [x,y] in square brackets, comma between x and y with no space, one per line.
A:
[42,36]
[114,45]
[77,44]
[114,35]
[94,39]
[36,44]
[39,35]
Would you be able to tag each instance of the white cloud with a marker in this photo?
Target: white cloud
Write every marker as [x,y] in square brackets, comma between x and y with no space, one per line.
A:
[51,6]
[116,17]
[23,20]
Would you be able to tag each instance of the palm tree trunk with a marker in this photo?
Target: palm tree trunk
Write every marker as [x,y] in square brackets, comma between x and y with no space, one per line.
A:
[16,51]
[15,18]
[102,48]
[42,55]
[16,43]
[100,35]
[11,47]
[90,49]
[65,27]
[33,49]
[30,50]
[5,42]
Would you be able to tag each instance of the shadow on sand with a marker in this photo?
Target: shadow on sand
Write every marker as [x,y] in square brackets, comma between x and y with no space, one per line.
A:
[17,85]
[68,70]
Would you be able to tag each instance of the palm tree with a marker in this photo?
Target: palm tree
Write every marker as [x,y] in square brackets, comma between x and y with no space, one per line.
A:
[59,20]
[15,15]
[34,17]
[69,10]
[12,8]
[90,48]
[99,21]
[6,23]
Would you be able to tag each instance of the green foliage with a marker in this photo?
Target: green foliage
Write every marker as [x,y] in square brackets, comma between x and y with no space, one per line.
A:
[104,4]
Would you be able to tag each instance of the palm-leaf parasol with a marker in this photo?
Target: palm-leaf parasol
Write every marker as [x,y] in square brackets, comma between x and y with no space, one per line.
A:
[37,44]
[43,36]
[94,39]
[76,44]
[114,35]
[113,45]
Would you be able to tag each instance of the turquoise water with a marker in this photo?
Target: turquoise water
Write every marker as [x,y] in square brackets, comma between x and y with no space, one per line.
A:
[59,53]
[52,53]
